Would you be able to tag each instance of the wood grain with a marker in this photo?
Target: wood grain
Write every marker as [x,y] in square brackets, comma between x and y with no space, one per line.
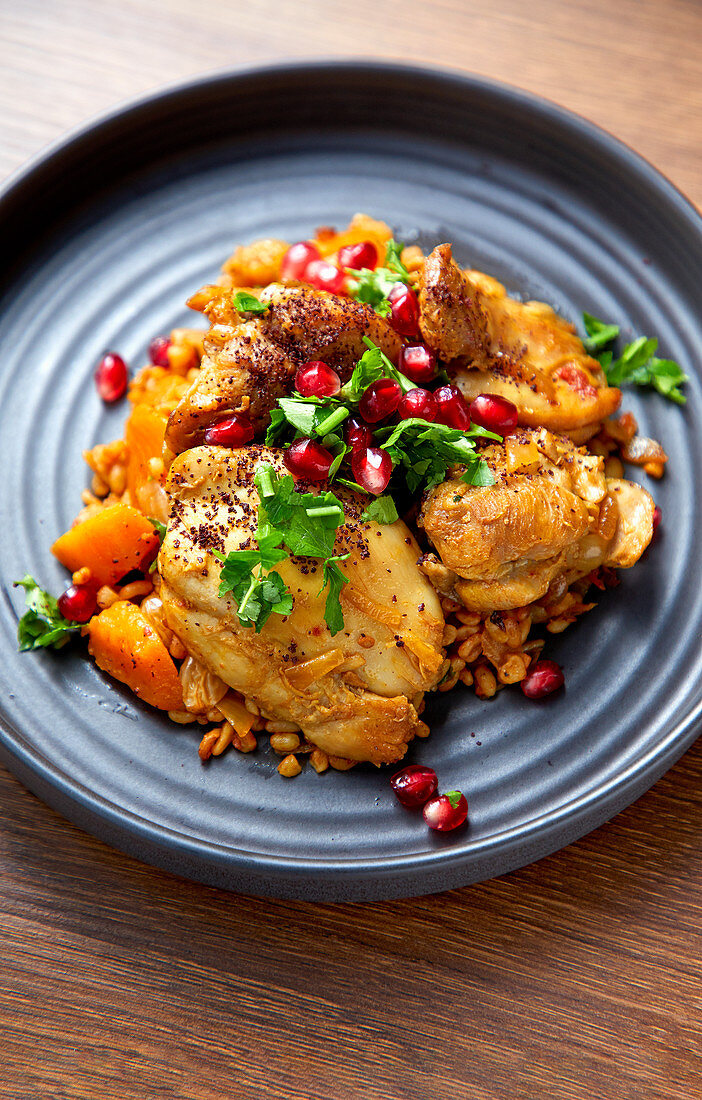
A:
[577,977]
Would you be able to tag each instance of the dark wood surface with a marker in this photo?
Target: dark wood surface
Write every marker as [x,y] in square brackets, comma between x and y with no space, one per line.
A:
[577,977]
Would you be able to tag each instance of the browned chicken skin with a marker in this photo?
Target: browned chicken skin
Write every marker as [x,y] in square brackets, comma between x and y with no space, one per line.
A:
[551,513]
[520,350]
[248,365]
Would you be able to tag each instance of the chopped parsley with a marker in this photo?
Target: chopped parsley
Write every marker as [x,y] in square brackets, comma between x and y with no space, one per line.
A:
[247,303]
[374,286]
[42,625]
[302,524]
[638,362]
[426,451]
[373,365]
[381,510]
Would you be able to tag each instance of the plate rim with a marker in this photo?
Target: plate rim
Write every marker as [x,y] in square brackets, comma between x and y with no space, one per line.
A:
[556,827]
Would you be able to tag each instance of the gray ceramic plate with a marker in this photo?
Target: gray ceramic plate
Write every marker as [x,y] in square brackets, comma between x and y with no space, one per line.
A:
[106,236]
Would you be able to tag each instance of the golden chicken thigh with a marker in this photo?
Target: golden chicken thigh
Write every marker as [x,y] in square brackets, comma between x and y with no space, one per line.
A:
[520,350]
[354,694]
[248,365]
[551,513]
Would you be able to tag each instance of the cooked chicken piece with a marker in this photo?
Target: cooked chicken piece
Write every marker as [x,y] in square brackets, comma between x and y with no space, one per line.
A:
[354,694]
[248,365]
[520,350]
[551,513]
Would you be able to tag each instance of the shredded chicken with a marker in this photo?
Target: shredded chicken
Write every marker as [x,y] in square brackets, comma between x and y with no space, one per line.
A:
[520,350]
[354,694]
[551,513]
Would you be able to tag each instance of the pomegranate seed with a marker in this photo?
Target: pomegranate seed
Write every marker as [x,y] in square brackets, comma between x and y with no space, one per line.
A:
[78,603]
[418,362]
[453,408]
[421,403]
[235,431]
[296,259]
[358,256]
[111,377]
[358,434]
[372,469]
[316,379]
[158,351]
[380,400]
[404,312]
[308,459]
[495,413]
[446,811]
[325,276]
[542,679]
[656,517]
[414,785]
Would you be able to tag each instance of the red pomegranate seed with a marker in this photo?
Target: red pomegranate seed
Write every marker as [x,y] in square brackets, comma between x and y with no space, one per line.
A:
[358,256]
[418,362]
[111,377]
[495,413]
[158,351]
[325,276]
[296,259]
[542,679]
[404,311]
[78,603]
[358,434]
[421,403]
[316,379]
[380,400]
[372,469]
[235,431]
[656,517]
[308,459]
[453,408]
[414,785]
[446,811]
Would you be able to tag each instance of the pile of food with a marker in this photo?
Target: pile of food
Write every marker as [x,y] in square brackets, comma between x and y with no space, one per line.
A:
[371,477]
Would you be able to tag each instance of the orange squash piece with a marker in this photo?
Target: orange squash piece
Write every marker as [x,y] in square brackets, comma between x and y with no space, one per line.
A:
[125,645]
[111,543]
[144,434]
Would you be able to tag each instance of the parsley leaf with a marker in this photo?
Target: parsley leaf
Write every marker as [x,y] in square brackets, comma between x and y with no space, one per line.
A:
[381,510]
[335,579]
[372,365]
[374,286]
[638,362]
[246,303]
[305,524]
[599,333]
[258,596]
[427,450]
[42,624]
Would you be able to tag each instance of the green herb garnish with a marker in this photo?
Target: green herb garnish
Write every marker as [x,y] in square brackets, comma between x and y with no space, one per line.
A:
[305,524]
[247,303]
[372,365]
[42,625]
[638,362]
[373,287]
[381,510]
[426,451]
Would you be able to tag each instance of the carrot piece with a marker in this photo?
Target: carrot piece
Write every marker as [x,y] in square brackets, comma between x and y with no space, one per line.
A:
[144,435]
[125,645]
[111,543]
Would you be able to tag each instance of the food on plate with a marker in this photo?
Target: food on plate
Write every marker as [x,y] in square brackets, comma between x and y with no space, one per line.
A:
[373,476]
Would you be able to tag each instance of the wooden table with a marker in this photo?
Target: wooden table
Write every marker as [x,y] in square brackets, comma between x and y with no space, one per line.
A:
[576,977]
